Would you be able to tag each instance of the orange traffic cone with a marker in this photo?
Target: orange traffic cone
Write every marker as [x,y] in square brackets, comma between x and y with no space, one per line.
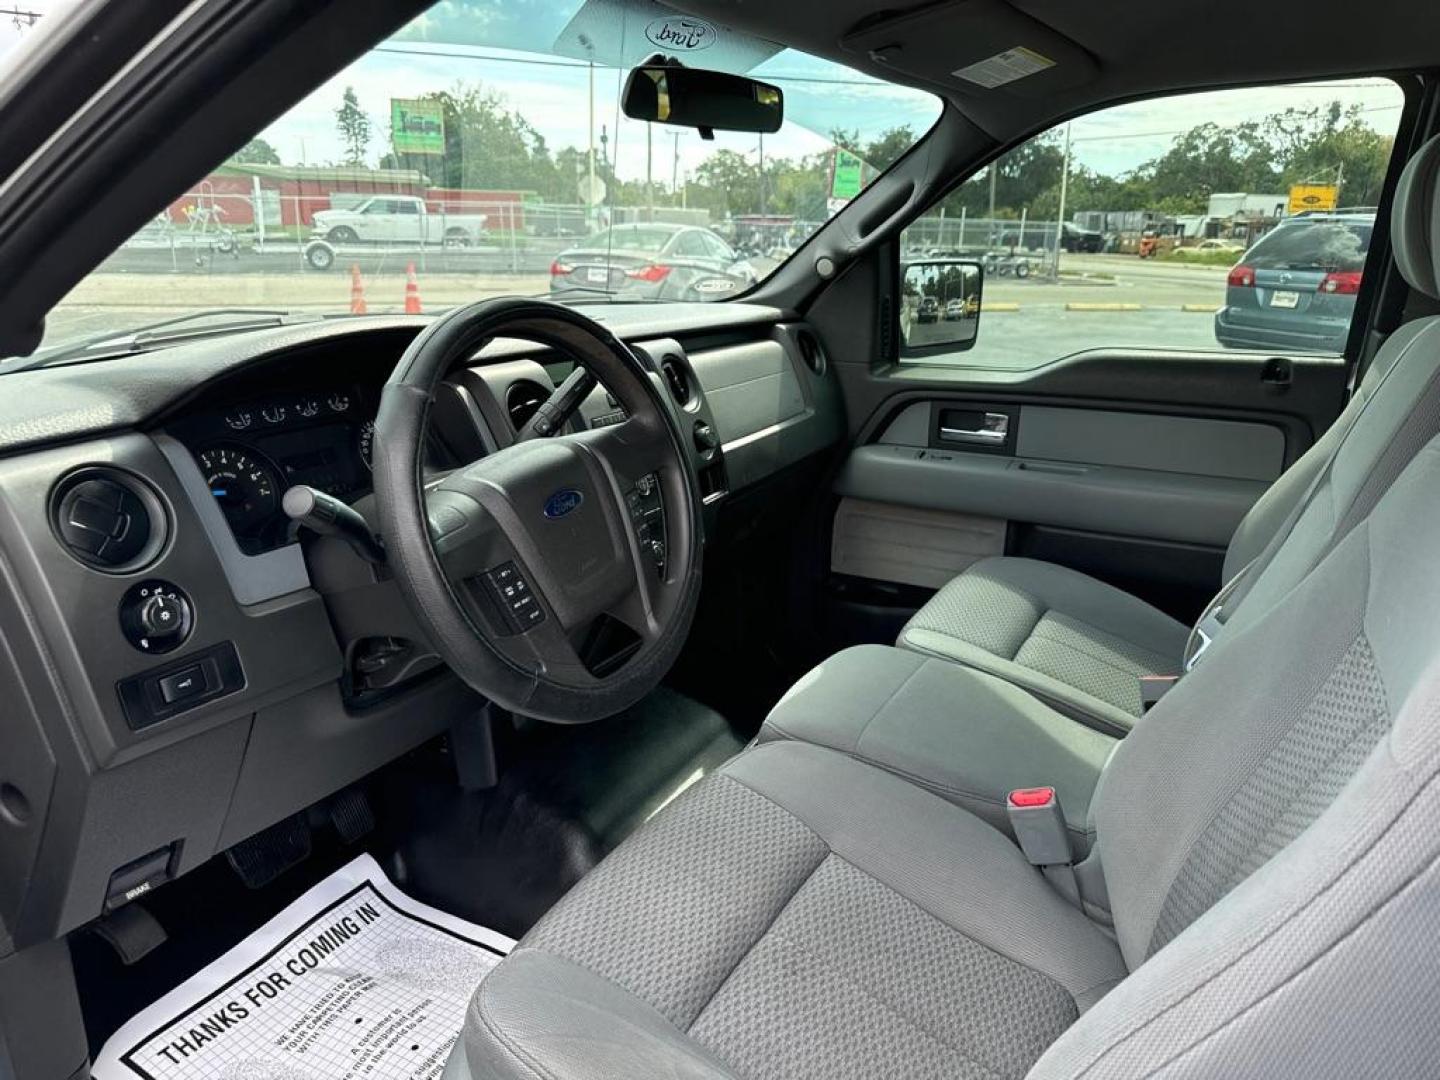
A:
[357,291]
[412,291]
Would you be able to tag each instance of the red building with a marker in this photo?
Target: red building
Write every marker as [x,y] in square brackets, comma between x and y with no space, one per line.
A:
[292,194]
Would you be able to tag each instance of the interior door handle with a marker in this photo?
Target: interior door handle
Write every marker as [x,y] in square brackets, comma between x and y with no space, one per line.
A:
[993,431]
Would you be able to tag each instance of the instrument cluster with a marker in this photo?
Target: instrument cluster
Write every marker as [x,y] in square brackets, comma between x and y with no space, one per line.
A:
[250,452]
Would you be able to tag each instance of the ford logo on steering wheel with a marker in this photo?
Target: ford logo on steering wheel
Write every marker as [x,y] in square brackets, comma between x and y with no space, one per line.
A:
[563,502]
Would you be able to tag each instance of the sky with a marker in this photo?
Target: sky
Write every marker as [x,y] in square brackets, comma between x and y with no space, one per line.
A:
[534,53]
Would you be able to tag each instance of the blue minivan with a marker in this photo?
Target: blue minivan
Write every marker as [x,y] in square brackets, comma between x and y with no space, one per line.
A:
[1295,289]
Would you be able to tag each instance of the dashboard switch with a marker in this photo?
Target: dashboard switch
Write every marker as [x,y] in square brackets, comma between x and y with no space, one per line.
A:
[160,615]
[156,616]
[183,684]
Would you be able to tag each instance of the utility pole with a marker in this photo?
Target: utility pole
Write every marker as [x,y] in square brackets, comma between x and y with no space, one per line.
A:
[649,185]
[994,169]
[762,179]
[675,168]
[1064,183]
[590,153]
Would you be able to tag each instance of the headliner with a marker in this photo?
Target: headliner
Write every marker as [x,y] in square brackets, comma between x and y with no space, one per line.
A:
[1108,50]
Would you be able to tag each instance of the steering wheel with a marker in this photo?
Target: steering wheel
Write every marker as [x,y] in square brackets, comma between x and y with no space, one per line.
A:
[556,520]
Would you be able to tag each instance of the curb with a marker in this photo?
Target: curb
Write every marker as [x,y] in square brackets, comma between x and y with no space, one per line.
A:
[1194,309]
[1002,305]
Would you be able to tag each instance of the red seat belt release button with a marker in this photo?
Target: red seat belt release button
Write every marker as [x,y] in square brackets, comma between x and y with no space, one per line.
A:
[1039,826]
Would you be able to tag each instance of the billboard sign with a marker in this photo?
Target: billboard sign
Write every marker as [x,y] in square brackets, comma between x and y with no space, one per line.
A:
[1312,197]
[848,176]
[417,126]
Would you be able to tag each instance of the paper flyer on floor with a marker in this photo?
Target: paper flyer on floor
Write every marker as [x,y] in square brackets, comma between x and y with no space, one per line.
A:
[353,980]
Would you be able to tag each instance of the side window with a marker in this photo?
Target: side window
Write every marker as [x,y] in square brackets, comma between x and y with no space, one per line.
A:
[1235,219]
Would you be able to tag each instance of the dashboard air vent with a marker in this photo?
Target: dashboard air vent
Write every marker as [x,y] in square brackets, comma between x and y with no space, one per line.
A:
[810,351]
[677,379]
[108,519]
[522,400]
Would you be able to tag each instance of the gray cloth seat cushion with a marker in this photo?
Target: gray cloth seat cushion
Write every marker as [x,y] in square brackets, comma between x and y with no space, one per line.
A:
[1077,643]
[967,736]
[762,927]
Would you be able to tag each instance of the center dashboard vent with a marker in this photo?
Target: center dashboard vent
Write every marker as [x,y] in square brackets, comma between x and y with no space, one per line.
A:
[108,519]
[677,379]
[523,400]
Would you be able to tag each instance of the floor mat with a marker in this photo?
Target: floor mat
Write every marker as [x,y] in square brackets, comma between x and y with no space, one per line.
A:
[354,979]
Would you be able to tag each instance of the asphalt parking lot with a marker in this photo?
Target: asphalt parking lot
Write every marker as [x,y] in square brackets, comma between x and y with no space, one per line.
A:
[1099,300]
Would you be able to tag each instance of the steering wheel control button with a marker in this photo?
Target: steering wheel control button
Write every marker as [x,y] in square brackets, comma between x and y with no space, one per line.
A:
[180,685]
[647,515]
[183,684]
[156,616]
[510,590]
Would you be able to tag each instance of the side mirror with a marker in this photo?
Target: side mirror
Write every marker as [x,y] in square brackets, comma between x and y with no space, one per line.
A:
[940,306]
[709,100]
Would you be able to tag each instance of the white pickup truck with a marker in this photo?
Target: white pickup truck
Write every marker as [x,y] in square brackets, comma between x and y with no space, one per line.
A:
[397,219]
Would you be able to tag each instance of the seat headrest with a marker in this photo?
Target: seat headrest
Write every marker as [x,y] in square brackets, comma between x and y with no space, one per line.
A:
[1415,221]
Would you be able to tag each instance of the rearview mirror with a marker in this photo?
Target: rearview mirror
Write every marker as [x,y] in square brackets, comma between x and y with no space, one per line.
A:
[940,305]
[709,100]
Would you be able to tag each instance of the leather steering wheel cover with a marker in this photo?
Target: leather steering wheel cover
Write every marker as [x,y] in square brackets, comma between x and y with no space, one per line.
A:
[400,426]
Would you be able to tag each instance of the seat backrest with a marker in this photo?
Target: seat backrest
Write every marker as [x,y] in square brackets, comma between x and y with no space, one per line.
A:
[1394,412]
[1270,835]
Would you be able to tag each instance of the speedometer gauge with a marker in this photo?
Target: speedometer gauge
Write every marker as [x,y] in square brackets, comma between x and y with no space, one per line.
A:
[243,485]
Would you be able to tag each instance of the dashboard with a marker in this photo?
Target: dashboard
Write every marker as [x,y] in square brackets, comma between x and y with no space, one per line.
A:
[250,451]
[287,667]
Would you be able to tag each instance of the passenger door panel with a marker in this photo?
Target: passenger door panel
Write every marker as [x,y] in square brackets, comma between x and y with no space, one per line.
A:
[1133,467]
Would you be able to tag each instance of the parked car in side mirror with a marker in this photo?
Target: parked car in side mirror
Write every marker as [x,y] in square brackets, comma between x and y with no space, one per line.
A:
[939,305]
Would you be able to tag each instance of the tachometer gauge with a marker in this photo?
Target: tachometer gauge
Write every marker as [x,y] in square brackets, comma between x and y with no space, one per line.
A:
[366,444]
[243,485]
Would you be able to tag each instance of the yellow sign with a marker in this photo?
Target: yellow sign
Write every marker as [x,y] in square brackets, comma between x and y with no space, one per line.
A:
[1313,197]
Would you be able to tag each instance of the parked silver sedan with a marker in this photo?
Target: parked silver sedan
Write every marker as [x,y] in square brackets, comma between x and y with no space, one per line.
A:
[654,261]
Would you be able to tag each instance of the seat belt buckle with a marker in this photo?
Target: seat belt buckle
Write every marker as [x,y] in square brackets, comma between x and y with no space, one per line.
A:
[1153,688]
[1039,826]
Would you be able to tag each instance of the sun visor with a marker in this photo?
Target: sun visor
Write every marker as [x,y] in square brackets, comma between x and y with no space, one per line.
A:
[623,33]
[976,47]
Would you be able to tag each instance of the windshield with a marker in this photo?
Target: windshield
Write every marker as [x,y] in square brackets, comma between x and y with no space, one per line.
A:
[481,151]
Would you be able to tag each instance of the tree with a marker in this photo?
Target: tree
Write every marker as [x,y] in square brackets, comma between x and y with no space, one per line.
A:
[1342,148]
[488,145]
[256,152]
[885,149]
[354,126]
[727,183]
